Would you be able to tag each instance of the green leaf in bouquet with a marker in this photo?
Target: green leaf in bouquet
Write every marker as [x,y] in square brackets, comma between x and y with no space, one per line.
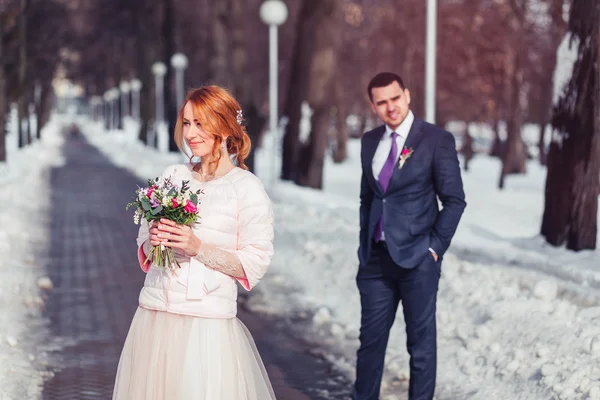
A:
[194,198]
[184,186]
[172,192]
[146,205]
[157,210]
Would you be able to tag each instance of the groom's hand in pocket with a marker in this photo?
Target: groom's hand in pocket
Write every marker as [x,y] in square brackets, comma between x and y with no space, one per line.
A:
[434,255]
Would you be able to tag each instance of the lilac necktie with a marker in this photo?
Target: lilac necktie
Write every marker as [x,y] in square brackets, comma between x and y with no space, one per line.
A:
[384,180]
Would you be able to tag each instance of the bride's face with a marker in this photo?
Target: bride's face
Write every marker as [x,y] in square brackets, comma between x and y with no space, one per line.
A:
[200,142]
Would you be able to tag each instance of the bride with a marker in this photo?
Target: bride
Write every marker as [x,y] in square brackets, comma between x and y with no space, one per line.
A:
[185,342]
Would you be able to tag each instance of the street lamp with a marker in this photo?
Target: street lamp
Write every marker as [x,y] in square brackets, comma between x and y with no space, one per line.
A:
[136,86]
[180,62]
[430,61]
[273,13]
[125,89]
[159,70]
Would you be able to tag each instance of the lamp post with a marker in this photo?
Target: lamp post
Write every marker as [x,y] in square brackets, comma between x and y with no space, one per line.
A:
[125,89]
[136,86]
[430,62]
[273,13]
[159,70]
[180,62]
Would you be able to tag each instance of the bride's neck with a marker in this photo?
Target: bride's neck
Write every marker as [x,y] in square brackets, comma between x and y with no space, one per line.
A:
[224,166]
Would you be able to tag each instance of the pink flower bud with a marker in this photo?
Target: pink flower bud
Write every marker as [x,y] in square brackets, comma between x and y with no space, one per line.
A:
[190,207]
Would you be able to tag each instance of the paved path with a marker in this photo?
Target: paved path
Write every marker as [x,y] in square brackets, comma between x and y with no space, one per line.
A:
[94,269]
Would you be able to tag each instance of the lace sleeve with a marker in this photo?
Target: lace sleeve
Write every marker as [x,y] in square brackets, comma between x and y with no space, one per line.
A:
[220,260]
[143,242]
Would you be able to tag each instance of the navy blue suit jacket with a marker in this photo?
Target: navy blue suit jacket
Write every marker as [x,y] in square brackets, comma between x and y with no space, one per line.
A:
[412,220]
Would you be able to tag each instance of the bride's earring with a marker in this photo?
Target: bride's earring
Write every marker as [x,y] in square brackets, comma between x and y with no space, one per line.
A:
[224,146]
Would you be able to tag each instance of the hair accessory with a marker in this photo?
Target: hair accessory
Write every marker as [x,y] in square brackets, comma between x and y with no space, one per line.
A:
[239,117]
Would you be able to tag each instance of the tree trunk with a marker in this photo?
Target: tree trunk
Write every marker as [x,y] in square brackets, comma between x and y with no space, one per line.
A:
[220,72]
[497,147]
[557,32]
[23,140]
[320,94]
[168,34]
[313,153]
[44,106]
[242,79]
[363,124]
[147,52]
[297,90]
[559,186]
[340,152]
[467,147]
[242,82]
[515,157]
[2,99]
[542,144]
[572,183]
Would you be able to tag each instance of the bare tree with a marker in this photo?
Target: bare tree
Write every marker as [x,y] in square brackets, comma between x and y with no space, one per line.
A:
[2,93]
[22,74]
[220,23]
[297,88]
[572,184]
[556,29]
[321,92]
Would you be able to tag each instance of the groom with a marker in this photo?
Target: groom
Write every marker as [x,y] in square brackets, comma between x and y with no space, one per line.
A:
[407,165]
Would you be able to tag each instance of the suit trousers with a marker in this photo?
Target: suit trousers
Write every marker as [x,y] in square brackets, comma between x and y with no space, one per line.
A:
[382,285]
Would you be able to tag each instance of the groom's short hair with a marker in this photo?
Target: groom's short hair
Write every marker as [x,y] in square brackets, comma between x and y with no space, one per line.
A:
[384,79]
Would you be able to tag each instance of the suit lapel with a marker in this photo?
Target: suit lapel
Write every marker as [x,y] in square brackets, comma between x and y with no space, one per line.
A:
[412,140]
[370,149]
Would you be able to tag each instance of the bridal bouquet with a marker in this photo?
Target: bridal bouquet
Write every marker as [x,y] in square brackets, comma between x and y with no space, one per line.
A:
[164,199]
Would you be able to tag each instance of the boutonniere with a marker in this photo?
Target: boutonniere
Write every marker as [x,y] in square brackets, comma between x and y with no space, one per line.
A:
[404,155]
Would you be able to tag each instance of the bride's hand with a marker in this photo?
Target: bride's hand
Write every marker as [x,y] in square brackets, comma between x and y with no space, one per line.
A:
[178,237]
[155,240]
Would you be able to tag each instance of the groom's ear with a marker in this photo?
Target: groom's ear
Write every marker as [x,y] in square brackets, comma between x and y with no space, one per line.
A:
[373,106]
[407,94]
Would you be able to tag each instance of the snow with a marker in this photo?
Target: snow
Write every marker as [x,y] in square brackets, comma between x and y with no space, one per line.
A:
[517,319]
[24,218]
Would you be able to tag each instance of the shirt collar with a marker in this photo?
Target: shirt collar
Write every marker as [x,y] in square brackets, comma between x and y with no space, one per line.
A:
[404,127]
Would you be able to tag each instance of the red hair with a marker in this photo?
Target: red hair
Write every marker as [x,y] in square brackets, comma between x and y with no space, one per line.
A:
[217,111]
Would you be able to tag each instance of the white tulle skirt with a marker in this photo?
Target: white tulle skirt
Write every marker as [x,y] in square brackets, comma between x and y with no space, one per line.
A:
[178,357]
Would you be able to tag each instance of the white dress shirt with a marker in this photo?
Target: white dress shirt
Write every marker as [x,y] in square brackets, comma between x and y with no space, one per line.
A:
[385,144]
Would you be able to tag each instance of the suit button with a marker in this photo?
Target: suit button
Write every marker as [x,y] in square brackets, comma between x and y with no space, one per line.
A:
[384,200]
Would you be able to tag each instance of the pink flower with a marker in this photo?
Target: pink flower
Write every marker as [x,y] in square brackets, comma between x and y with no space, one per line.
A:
[405,151]
[175,203]
[150,191]
[190,207]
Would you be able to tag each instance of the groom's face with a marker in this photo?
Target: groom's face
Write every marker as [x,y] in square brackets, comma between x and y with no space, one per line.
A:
[390,103]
